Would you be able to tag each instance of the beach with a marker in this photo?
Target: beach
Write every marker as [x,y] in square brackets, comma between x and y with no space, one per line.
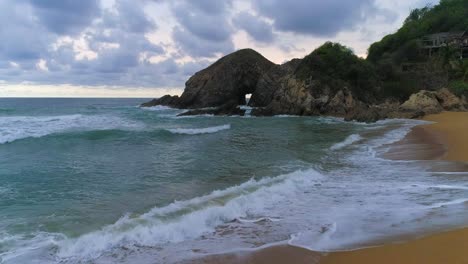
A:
[450,128]
[103,181]
[444,139]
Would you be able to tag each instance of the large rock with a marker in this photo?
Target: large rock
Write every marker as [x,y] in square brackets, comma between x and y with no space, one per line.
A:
[166,100]
[229,79]
[449,101]
[364,113]
[342,103]
[296,88]
[424,101]
[228,109]
[270,82]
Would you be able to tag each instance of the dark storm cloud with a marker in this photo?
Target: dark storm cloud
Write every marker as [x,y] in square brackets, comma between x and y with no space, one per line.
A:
[204,29]
[197,47]
[315,17]
[258,29]
[66,16]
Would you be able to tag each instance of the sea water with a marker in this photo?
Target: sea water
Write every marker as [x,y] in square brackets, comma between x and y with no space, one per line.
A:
[105,181]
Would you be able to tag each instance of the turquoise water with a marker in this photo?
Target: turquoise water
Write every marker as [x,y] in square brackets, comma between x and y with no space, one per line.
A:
[103,180]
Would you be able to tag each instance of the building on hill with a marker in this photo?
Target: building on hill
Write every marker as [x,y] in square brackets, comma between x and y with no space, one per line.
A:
[431,44]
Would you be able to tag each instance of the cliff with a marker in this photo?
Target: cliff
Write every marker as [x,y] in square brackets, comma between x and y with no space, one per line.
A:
[330,81]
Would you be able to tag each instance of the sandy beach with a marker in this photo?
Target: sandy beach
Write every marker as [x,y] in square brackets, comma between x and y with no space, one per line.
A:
[445,139]
[449,142]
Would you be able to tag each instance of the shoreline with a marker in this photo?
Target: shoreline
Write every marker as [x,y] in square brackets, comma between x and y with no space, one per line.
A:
[441,140]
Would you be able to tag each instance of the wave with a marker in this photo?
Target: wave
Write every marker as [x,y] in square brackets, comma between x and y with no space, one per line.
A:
[20,127]
[347,142]
[197,131]
[448,203]
[157,108]
[189,219]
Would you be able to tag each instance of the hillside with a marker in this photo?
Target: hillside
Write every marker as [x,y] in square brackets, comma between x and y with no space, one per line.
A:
[448,16]
[396,53]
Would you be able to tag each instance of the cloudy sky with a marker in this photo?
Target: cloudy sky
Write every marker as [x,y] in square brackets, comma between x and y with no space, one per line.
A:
[146,48]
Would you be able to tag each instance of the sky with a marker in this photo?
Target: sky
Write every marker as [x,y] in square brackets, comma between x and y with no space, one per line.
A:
[148,48]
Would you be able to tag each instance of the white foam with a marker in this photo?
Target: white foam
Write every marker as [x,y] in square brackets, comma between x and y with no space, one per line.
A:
[286,116]
[347,142]
[200,215]
[448,203]
[157,108]
[257,220]
[450,187]
[19,127]
[197,131]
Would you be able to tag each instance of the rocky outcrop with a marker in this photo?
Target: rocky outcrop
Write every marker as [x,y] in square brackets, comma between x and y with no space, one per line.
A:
[228,109]
[229,79]
[450,102]
[295,88]
[270,82]
[431,102]
[166,100]
[422,101]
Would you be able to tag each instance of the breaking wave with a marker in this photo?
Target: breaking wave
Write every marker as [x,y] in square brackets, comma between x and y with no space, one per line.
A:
[197,131]
[20,127]
[348,141]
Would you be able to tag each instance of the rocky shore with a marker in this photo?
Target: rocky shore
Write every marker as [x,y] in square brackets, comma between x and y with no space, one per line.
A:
[299,87]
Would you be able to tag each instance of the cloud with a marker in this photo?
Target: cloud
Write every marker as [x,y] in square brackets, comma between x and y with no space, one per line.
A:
[21,37]
[204,29]
[108,49]
[197,47]
[160,43]
[66,16]
[257,28]
[319,18]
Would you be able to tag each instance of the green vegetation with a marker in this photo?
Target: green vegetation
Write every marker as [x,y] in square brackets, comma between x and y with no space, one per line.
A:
[402,49]
[336,66]
[459,87]
[396,66]
[449,15]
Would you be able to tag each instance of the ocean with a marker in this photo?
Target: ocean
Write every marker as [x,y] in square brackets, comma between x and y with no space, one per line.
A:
[105,181]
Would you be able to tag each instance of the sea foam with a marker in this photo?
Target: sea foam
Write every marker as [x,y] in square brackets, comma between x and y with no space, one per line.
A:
[191,218]
[20,127]
[347,142]
[197,131]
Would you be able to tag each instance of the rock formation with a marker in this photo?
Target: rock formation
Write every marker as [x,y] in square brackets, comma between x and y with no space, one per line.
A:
[298,87]
[229,79]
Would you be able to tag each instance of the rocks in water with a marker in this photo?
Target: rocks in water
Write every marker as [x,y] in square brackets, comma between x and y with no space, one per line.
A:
[228,109]
[281,90]
[270,82]
[363,113]
[228,79]
[167,100]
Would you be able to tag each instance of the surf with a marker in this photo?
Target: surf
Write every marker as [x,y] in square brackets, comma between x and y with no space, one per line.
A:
[199,131]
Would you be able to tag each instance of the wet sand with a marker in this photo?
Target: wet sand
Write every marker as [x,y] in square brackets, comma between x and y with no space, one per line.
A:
[446,139]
